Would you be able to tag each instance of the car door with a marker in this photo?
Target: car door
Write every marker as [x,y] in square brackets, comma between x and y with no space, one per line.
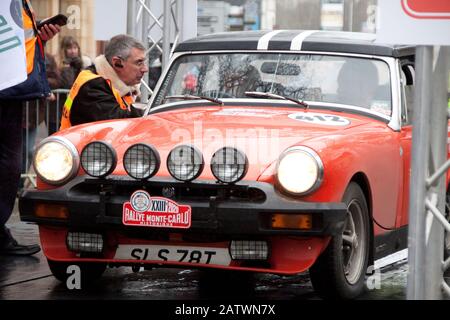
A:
[407,96]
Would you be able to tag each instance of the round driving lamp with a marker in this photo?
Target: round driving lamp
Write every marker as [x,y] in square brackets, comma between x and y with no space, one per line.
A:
[185,163]
[98,159]
[141,161]
[229,165]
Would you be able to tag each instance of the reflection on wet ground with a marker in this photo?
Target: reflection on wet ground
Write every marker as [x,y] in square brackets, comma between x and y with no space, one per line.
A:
[29,278]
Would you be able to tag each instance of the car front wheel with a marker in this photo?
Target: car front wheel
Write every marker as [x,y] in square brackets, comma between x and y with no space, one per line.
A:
[340,270]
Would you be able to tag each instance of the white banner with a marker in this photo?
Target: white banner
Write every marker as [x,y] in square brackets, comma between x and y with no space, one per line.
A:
[12,44]
[416,22]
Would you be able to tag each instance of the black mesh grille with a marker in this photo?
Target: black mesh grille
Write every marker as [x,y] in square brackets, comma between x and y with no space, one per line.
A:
[185,163]
[141,161]
[249,250]
[229,165]
[85,242]
[98,159]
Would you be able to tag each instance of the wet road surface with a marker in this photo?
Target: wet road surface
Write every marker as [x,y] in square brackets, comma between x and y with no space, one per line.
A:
[29,278]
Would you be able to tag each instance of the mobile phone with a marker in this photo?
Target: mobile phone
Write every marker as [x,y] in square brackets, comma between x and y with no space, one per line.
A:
[59,19]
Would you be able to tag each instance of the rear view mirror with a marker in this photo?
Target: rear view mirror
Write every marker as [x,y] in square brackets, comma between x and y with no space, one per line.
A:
[282,69]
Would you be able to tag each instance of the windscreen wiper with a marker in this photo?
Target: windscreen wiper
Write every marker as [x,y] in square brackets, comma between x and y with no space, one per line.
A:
[257,94]
[193,97]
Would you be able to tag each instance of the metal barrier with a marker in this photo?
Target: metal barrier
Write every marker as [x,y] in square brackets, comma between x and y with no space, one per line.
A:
[41,118]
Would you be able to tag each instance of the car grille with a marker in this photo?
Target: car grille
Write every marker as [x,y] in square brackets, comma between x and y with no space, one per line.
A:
[174,190]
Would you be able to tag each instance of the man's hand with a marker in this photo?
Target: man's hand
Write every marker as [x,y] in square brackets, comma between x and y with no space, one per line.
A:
[51,97]
[48,31]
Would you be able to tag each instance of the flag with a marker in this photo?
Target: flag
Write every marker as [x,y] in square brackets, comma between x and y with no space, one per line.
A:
[12,44]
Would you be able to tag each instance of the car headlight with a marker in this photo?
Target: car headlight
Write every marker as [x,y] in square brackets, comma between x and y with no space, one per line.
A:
[299,170]
[141,161]
[185,163]
[56,160]
[229,165]
[98,159]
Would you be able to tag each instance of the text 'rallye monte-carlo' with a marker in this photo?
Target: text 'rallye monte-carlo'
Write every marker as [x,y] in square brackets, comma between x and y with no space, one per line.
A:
[261,151]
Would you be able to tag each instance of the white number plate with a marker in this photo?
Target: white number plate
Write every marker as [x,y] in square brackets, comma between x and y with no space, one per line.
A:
[203,255]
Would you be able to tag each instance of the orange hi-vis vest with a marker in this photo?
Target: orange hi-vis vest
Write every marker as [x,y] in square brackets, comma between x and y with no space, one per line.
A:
[30,31]
[83,77]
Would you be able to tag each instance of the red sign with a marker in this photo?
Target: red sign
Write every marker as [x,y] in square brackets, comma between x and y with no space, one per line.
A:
[157,212]
[427,9]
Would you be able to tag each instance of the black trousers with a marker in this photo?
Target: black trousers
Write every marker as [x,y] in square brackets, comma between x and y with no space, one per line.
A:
[10,155]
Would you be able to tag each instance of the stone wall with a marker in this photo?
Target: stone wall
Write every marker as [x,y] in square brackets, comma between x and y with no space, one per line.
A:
[80,26]
[297,14]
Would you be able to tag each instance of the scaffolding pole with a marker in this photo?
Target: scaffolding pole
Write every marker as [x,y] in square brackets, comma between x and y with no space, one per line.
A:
[419,166]
[162,24]
[427,217]
[166,33]
[434,232]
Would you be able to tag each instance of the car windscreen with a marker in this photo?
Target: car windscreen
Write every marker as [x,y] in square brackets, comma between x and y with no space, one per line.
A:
[361,82]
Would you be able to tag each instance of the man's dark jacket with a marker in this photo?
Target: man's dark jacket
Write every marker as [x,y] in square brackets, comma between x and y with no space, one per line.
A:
[95,101]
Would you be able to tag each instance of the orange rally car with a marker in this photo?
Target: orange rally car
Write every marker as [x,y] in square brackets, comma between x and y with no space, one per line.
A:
[276,152]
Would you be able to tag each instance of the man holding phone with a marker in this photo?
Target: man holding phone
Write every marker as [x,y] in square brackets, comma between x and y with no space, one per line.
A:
[48,31]
[59,19]
[11,99]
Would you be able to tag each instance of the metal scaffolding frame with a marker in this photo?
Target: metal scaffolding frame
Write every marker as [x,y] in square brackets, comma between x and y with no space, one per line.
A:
[428,218]
[161,25]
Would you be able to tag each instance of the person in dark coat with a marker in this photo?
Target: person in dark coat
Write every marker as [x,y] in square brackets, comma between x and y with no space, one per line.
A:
[11,101]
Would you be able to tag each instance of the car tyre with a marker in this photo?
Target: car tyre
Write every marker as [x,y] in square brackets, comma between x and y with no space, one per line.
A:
[339,272]
[89,271]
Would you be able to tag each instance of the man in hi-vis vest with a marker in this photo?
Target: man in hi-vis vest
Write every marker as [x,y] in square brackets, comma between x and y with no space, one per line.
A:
[18,16]
[107,89]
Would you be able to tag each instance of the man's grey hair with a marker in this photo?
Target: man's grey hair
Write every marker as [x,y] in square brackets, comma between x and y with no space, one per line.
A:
[121,46]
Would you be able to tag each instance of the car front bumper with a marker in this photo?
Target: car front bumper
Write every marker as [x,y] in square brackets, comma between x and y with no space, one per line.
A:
[245,208]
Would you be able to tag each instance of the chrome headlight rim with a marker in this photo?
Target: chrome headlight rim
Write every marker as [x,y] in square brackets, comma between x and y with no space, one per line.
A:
[113,156]
[241,176]
[320,170]
[201,165]
[155,153]
[75,159]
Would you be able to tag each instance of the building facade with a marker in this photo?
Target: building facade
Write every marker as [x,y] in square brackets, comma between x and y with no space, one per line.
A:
[80,24]
[354,15]
[345,15]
